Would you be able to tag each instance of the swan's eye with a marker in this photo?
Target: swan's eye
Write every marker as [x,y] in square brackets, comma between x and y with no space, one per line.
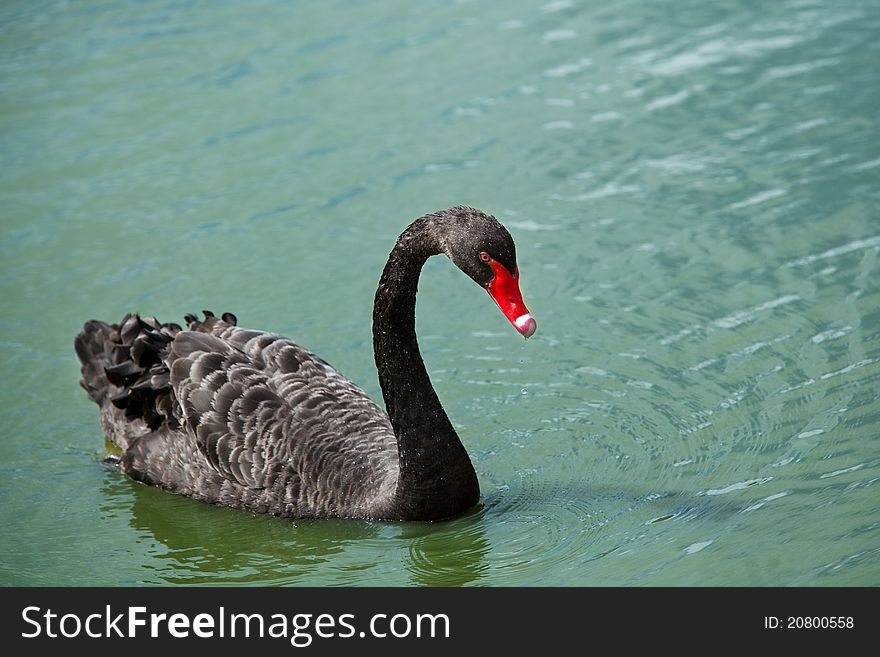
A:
[485,257]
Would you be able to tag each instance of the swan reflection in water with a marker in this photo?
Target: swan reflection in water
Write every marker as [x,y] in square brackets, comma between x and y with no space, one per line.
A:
[197,544]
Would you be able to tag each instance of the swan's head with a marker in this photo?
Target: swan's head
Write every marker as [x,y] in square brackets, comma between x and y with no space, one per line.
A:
[483,249]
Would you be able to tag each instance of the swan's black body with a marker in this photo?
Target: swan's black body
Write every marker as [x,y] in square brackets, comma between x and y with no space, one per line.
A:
[251,420]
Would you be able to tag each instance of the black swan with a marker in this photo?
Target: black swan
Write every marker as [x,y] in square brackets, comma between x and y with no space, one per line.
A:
[251,420]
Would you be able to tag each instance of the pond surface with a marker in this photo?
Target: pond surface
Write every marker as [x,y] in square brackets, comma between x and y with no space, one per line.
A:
[694,189]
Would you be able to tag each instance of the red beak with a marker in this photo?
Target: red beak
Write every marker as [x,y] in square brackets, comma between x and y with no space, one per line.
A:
[504,289]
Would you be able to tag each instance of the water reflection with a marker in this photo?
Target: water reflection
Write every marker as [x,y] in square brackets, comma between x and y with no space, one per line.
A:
[451,553]
[195,543]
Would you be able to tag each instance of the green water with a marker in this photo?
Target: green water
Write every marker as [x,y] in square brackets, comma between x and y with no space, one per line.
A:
[694,189]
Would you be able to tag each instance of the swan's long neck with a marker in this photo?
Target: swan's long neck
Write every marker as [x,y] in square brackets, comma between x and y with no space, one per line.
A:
[436,476]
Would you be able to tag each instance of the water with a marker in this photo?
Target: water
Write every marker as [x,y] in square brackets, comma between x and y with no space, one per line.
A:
[694,193]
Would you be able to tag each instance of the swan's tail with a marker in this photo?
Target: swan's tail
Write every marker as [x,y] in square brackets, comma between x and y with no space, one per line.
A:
[95,346]
[123,372]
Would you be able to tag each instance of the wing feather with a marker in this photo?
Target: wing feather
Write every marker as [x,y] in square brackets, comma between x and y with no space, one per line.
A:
[261,407]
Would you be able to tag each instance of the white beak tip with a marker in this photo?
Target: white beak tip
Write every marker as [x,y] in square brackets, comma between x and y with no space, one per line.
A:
[526,325]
